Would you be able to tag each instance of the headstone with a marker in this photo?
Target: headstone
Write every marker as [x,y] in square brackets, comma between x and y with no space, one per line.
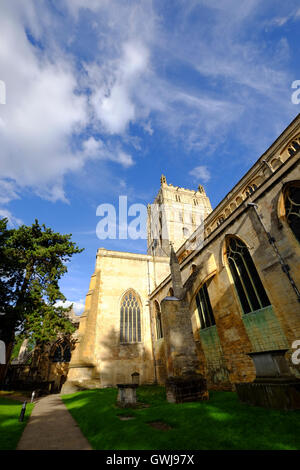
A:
[274,386]
[127,395]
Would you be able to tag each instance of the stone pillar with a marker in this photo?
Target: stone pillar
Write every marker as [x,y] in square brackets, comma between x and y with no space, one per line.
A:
[180,345]
[176,275]
[184,381]
[82,368]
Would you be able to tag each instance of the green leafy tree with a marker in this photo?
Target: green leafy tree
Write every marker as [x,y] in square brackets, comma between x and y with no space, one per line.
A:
[34,260]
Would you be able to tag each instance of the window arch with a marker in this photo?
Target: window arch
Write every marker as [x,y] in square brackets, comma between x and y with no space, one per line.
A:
[246,279]
[220,220]
[204,308]
[62,352]
[292,207]
[250,189]
[293,148]
[159,331]
[130,318]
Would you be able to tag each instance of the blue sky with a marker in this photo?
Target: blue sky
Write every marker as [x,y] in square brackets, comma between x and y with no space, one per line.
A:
[103,96]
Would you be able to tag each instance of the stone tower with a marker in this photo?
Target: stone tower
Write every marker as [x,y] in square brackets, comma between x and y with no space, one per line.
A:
[174,216]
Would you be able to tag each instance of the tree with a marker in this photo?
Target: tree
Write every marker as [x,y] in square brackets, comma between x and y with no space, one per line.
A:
[33,260]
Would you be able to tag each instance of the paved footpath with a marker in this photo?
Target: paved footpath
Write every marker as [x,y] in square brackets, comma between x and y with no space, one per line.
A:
[51,427]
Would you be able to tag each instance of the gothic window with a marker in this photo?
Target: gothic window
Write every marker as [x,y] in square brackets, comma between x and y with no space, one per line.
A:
[292,207]
[130,318]
[205,312]
[246,279]
[62,352]
[159,331]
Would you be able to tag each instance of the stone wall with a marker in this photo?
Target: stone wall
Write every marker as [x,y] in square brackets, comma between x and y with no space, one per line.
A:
[223,349]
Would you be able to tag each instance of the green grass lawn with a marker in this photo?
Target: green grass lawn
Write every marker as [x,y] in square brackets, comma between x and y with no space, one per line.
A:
[10,427]
[220,423]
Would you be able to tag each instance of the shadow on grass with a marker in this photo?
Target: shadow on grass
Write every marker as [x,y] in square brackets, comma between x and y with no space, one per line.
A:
[220,423]
[10,427]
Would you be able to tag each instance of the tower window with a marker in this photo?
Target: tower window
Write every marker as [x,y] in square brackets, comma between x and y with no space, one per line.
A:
[186,232]
[205,312]
[130,318]
[246,279]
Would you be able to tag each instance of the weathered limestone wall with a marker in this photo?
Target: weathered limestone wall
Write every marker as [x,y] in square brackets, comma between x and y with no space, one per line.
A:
[180,347]
[223,349]
[100,359]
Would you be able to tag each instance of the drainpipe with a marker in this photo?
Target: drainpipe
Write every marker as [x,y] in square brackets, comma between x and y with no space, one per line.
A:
[284,266]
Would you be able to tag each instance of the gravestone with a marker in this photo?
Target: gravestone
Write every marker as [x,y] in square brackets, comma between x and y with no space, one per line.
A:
[127,395]
[274,386]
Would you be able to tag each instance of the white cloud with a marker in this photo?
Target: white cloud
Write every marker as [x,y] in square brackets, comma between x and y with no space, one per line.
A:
[12,221]
[200,173]
[129,85]
[282,20]
[41,113]
[7,191]
[78,306]
[44,110]
[125,159]
[114,102]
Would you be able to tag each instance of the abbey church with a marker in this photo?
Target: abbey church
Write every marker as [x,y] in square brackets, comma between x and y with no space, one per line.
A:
[234,271]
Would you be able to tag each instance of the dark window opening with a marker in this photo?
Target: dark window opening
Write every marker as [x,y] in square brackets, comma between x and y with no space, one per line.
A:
[246,279]
[204,308]
[292,208]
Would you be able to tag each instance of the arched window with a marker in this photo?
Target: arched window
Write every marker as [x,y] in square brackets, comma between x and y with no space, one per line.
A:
[220,220]
[294,148]
[130,318]
[205,312]
[247,282]
[250,189]
[292,207]
[159,331]
[171,292]
[62,352]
